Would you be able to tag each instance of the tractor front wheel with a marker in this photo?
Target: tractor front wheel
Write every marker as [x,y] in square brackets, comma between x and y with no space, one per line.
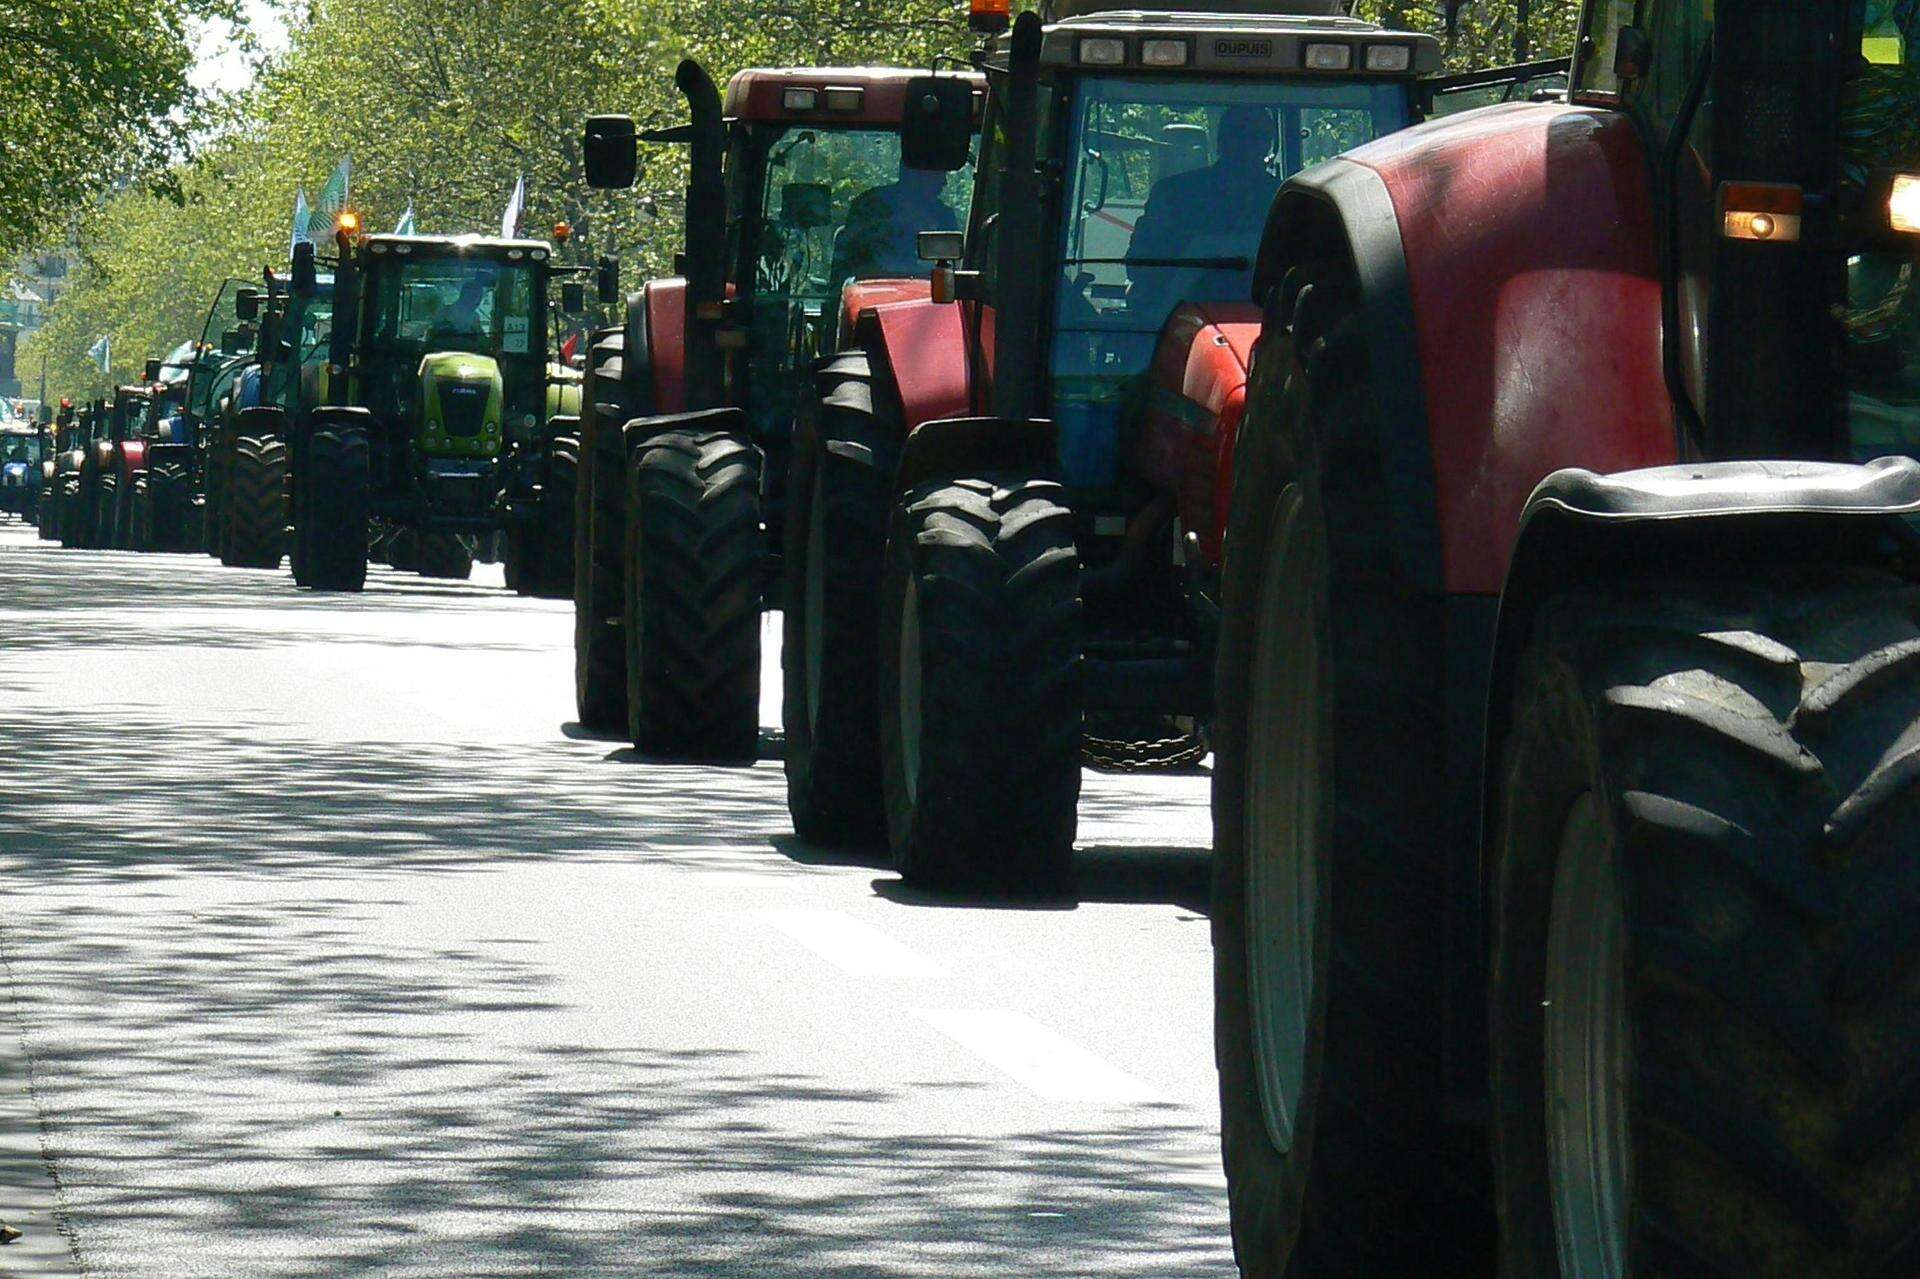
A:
[607,402]
[980,685]
[171,509]
[140,514]
[106,517]
[840,493]
[256,503]
[442,555]
[333,510]
[548,572]
[1705,970]
[692,597]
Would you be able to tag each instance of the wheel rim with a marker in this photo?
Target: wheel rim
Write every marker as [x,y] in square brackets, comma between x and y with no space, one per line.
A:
[1587,1052]
[814,605]
[1282,828]
[910,691]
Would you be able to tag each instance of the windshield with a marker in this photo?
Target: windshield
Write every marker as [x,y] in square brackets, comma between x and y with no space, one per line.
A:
[464,303]
[1883,312]
[20,448]
[1169,185]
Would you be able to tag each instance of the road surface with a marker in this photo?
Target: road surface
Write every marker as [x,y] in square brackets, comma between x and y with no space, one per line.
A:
[332,948]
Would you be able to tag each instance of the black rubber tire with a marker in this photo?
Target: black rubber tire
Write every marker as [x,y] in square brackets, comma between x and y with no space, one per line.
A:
[140,514]
[106,522]
[256,515]
[1375,1181]
[993,567]
[50,513]
[71,521]
[607,403]
[693,597]
[334,509]
[1747,737]
[171,505]
[443,556]
[845,459]
[550,548]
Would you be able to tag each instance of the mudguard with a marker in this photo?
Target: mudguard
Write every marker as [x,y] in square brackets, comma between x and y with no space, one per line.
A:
[935,384]
[950,448]
[642,429]
[1196,397]
[132,458]
[656,348]
[861,296]
[262,419]
[1532,223]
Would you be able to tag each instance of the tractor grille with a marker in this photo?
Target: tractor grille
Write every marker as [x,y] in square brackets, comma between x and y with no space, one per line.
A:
[463,408]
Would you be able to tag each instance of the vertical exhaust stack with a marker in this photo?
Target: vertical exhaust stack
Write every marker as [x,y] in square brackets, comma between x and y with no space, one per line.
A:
[706,223]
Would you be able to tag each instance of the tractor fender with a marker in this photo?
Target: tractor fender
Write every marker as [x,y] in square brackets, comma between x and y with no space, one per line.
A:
[262,419]
[932,375]
[1579,526]
[861,296]
[1196,398]
[133,457]
[958,447]
[1506,260]
[640,430]
[656,346]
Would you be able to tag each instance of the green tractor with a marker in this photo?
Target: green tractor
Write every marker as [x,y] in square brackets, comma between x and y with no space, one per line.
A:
[434,403]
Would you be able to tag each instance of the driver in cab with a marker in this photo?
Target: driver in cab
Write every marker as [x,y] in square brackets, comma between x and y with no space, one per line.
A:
[463,318]
[1213,212]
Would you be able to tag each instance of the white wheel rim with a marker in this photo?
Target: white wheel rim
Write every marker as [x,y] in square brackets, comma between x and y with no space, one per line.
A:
[814,605]
[1282,828]
[910,691]
[1587,1053]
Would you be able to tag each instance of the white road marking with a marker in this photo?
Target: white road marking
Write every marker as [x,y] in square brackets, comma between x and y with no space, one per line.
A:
[849,945]
[1048,1064]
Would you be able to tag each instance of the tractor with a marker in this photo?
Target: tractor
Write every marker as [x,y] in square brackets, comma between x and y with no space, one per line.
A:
[158,508]
[57,433]
[1003,549]
[23,450]
[797,184]
[436,374]
[113,452]
[74,433]
[1569,675]
[186,508]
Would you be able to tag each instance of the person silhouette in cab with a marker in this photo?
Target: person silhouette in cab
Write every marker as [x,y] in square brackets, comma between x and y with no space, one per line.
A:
[881,235]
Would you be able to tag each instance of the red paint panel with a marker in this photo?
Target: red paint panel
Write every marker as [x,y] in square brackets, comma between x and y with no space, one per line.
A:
[755,94]
[864,295]
[926,347]
[1530,250]
[1197,392]
[667,343]
[133,456]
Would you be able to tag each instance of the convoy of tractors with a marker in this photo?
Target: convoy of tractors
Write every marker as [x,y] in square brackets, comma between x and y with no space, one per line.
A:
[1495,489]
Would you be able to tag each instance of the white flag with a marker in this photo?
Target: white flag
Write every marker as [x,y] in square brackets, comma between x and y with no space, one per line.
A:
[406,224]
[301,216]
[101,352]
[333,198]
[516,205]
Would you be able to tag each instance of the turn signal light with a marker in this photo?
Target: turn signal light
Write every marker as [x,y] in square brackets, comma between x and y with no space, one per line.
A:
[990,15]
[1767,212]
[1903,203]
[348,222]
[562,232]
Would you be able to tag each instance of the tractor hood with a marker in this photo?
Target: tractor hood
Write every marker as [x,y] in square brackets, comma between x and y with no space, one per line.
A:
[563,390]
[462,405]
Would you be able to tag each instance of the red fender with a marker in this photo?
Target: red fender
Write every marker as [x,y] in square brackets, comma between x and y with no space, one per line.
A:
[666,311]
[1196,396]
[934,382]
[133,457]
[863,295]
[1530,257]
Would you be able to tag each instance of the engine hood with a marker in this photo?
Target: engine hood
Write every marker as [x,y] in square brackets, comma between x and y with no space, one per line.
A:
[462,405]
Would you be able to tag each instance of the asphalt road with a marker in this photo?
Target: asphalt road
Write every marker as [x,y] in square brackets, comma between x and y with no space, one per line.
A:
[331,948]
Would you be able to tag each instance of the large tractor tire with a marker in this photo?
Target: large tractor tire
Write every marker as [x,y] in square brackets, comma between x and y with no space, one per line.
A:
[552,539]
[443,555]
[693,594]
[171,509]
[140,514]
[333,510]
[1330,829]
[50,512]
[1705,965]
[980,685]
[106,519]
[840,493]
[607,403]
[256,503]
[72,518]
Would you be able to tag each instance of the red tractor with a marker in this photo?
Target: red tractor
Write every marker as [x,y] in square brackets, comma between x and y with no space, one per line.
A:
[1565,819]
[797,184]
[1007,492]
[100,513]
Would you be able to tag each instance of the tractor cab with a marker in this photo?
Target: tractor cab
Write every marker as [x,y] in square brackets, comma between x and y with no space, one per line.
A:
[229,341]
[22,452]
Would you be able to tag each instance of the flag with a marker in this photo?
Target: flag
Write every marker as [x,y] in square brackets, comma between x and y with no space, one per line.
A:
[516,205]
[405,225]
[301,217]
[569,348]
[101,352]
[332,198]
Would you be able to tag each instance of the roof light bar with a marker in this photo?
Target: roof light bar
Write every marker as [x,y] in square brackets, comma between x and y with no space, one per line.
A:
[1389,57]
[800,99]
[1324,56]
[844,97]
[1164,52]
[1101,51]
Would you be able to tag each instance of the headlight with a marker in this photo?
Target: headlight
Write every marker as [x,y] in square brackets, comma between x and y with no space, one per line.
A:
[1903,203]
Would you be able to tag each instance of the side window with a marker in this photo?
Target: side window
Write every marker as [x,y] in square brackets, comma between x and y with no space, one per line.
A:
[983,221]
[1594,76]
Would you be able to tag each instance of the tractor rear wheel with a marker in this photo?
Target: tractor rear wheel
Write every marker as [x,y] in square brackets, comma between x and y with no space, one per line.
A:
[71,521]
[256,503]
[171,508]
[980,685]
[106,520]
[1329,807]
[550,542]
[692,597]
[1705,970]
[443,555]
[840,493]
[140,514]
[607,402]
[49,513]
[333,510]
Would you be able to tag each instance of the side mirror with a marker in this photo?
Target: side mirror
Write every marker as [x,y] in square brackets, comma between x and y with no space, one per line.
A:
[306,276]
[1632,54]
[573,297]
[612,152]
[152,371]
[246,304]
[936,128]
[942,246]
[806,205]
[607,280]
